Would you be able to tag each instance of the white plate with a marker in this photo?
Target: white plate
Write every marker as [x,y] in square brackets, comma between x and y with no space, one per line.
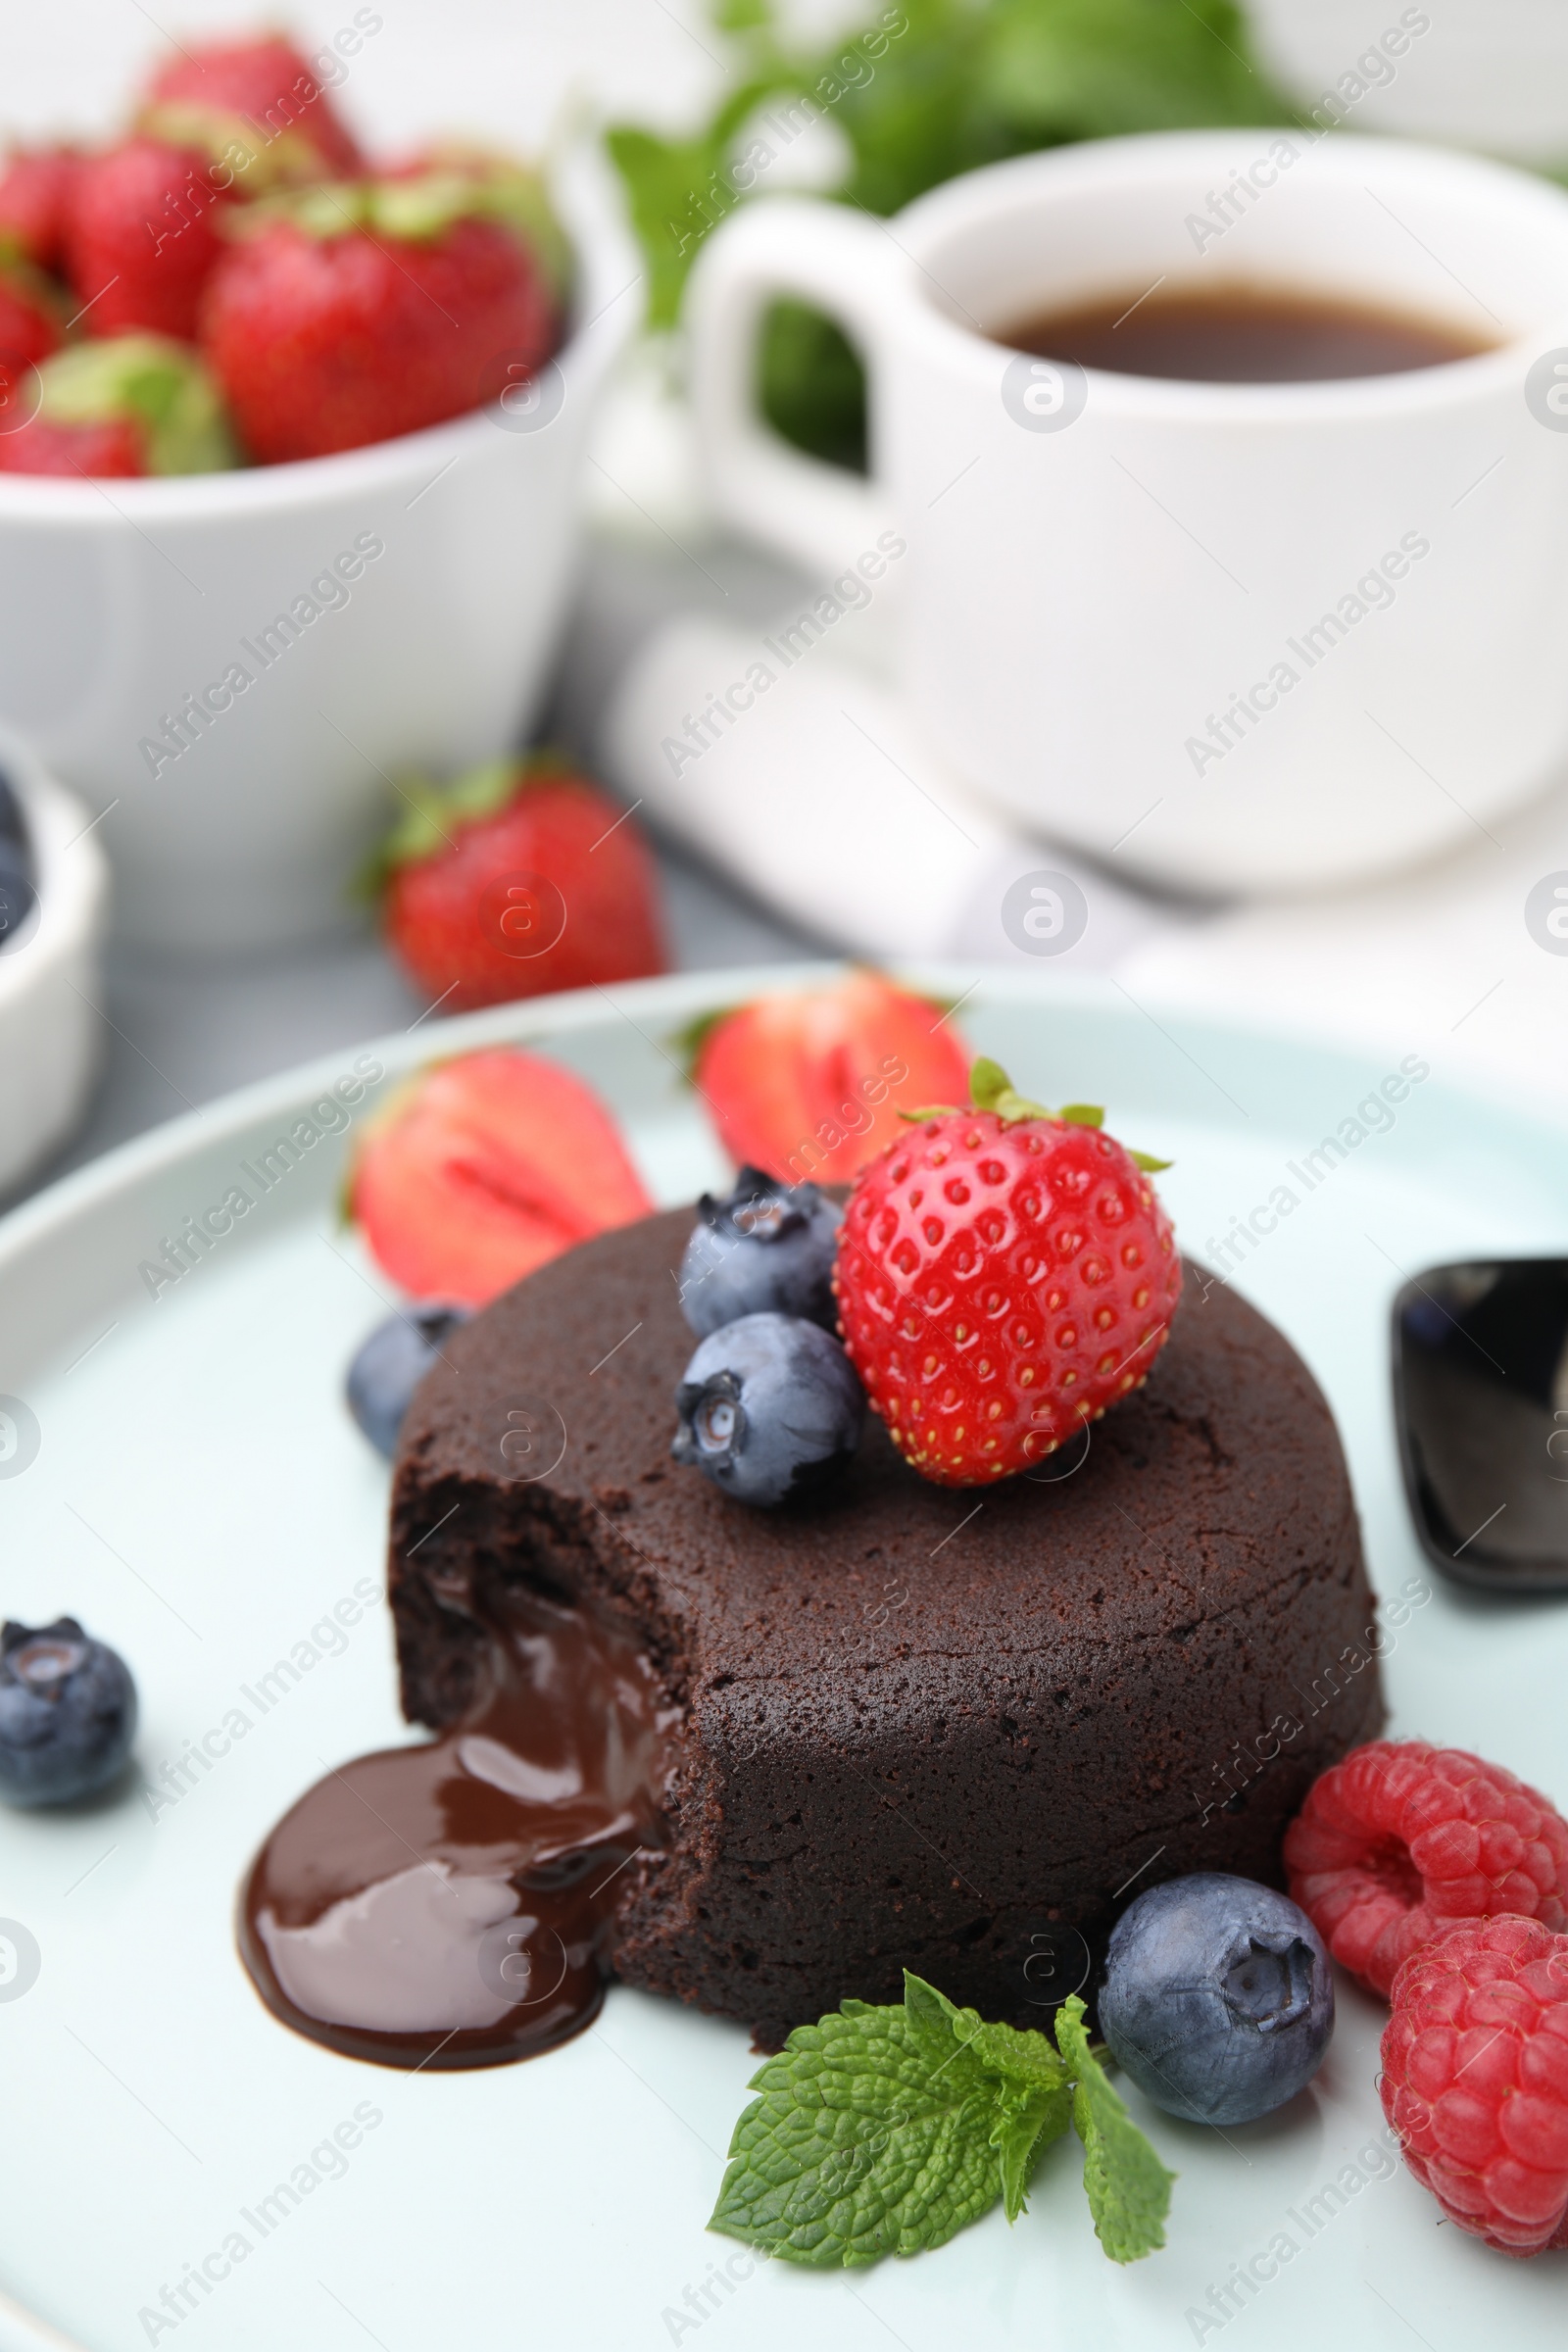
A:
[201,1499]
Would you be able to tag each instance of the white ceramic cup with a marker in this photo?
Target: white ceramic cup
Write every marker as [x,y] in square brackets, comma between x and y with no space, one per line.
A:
[1487,74]
[392,608]
[1240,636]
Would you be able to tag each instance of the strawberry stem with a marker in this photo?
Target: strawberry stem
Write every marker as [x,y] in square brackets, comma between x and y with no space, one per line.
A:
[434,813]
[459,185]
[991,1089]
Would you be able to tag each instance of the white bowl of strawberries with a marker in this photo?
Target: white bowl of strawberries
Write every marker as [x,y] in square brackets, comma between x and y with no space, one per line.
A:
[290,457]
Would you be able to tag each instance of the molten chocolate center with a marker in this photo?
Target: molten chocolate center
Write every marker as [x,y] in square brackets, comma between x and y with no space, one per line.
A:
[449,1905]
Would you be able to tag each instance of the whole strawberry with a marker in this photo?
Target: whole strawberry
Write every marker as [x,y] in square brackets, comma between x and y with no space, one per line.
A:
[130,405]
[508,189]
[93,452]
[1005,1273]
[141,237]
[517,880]
[1475,2078]
[257,109]
[351,314]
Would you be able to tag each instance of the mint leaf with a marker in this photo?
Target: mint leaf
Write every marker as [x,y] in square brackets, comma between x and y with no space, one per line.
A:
[943,2019]
[1035,2102]
[869,2139]
[679,189]
[886,2131]
[1026,2059]
[811,384]
[1127,2187]
[1088,69]
[1027,2123]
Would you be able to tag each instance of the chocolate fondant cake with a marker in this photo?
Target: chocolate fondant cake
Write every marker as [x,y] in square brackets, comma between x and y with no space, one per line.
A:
[909,1726]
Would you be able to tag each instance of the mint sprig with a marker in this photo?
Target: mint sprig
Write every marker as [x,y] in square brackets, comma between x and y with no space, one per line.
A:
[887,2130]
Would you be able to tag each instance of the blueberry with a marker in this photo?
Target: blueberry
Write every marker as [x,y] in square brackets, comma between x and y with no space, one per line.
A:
[18,870]
[769,1406]
[767,1248]
[67,1713]
[1217,1998]
[389,1366]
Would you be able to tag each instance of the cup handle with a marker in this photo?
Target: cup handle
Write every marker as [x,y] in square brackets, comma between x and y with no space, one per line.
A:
[844,263]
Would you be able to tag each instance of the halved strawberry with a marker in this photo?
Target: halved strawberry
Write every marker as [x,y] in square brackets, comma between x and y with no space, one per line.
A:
[518,879]
[482,1168]
[810,1082]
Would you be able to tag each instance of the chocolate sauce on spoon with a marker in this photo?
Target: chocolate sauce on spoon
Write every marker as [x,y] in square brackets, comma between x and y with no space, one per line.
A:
[449,1905]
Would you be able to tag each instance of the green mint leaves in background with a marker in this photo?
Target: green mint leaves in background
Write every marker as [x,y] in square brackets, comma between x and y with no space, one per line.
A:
[886,2131]
[925,89]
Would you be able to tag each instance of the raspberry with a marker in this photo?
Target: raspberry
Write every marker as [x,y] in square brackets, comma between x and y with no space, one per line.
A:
[1475,2078]
[1003,1274]
[1402,1838]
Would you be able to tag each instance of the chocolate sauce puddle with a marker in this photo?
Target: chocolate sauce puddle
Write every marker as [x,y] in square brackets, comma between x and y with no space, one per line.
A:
[449,1905]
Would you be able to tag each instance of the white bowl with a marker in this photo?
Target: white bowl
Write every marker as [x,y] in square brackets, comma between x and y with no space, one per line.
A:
[51,1032]
[120,601]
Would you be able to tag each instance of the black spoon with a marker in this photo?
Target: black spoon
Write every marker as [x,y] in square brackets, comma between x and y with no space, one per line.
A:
[1481,1404]
[19,880]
